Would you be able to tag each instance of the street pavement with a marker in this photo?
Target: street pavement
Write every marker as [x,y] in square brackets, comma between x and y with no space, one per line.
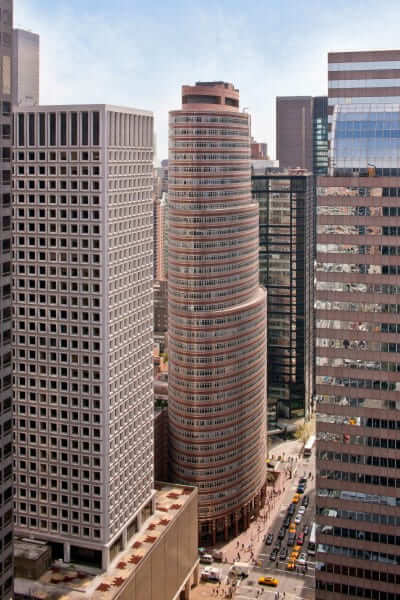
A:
[250,547]
[294,585]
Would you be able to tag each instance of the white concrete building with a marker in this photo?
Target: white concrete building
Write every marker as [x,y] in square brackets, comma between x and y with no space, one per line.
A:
[83,252]
[25,67]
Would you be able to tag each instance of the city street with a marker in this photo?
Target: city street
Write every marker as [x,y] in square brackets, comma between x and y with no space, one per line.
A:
[295,585]
[251,547]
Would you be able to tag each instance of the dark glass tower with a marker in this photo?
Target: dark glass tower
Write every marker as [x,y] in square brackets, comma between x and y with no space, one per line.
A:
[286,201]
[320,135]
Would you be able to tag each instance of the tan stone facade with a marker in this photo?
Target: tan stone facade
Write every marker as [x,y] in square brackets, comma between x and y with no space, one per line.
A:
[161,562]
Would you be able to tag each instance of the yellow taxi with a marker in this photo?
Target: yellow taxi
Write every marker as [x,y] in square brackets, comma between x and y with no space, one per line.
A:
[296,498]
[296,549]
[291,565]
[294,556]
[292,528]
[268,580]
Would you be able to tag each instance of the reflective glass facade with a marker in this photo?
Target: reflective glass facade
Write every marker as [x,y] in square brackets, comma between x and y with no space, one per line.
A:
[366,137]
[320,135]
[357,387]
[286,270]
[357,332]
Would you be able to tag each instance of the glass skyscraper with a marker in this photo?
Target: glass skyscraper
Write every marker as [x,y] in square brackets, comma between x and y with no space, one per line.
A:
[320,135]
[286,201]
[357,332]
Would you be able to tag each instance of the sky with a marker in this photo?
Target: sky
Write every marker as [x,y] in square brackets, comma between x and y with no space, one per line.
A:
[138,54]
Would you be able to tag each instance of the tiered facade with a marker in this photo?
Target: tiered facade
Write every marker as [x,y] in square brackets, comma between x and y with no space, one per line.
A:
[217,311]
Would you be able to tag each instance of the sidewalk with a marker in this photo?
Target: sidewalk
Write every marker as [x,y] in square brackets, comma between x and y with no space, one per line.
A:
[247,545]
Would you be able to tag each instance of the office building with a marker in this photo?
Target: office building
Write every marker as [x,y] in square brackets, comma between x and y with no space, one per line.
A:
[320,135]
[6,482]
[158,226]
[286,201]
[164,236]
[160,563]
[217,312]
[160,308]
[259,150]
[302,133]
[83,310]
[357,332]
[25,67]
[163,171]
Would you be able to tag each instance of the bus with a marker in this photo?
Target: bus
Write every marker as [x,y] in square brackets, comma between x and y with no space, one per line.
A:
[312,541]
[309,446]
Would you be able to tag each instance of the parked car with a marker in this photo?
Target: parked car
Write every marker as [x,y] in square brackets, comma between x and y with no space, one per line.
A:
[283,554]
[291,539]
[269,539]
[206,559]
[306,530]
[291,509]
[305,501]
[286,522]
[301,510]
[300,539]
[300,489]
[302,560]
[298,518]
[274,553]
[282,533]
[211,574]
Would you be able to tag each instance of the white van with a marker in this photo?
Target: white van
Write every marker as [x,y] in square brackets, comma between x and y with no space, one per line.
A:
[211,574]
[241,569]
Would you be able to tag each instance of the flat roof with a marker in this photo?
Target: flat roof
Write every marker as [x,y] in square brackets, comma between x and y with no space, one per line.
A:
[78,107]
[71,582]
[29,550]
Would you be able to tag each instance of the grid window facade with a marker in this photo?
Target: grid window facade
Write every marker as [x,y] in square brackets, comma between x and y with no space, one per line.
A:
[82,291]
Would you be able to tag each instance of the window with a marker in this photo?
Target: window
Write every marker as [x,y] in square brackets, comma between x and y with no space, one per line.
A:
[74,132]
[63,129]
[52,125]
[85,128]
[21,129]
[96,128]
[42,134]
[31,129]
